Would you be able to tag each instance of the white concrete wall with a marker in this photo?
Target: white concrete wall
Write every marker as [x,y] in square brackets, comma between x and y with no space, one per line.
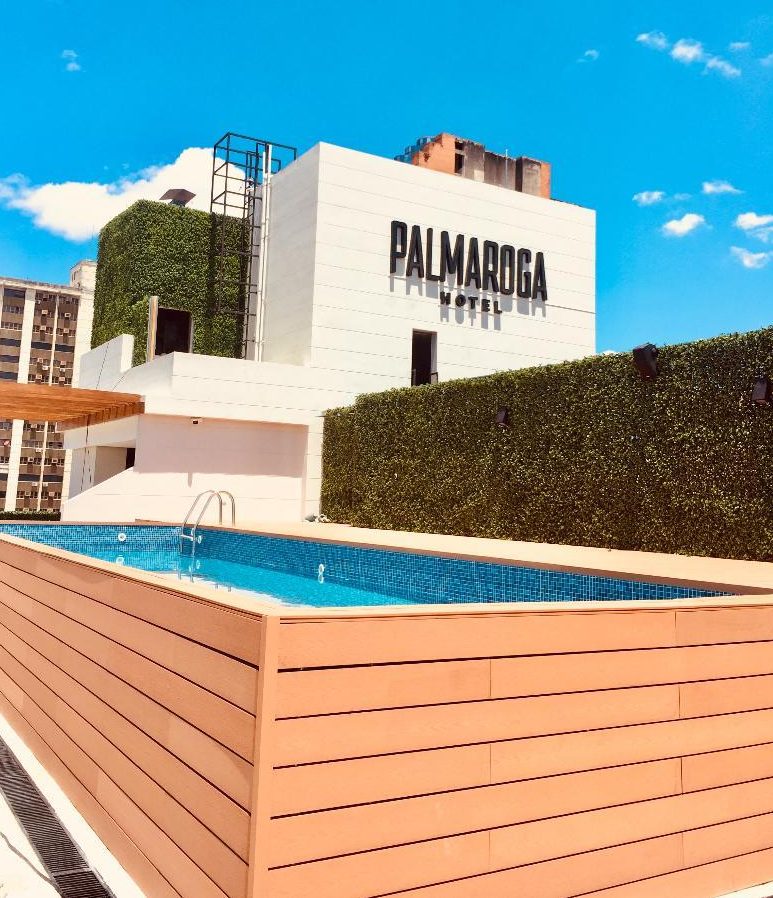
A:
[363,318]
[261,464]
[103,367]
[291,242]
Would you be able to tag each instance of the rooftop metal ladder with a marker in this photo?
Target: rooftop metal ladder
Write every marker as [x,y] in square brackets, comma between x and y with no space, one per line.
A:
[208,496]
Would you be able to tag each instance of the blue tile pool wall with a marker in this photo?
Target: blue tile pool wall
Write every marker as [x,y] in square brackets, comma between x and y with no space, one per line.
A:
[143,546]
[398,575]
[428,578]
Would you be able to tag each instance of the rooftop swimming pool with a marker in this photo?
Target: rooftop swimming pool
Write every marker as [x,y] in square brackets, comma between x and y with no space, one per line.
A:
[320,574]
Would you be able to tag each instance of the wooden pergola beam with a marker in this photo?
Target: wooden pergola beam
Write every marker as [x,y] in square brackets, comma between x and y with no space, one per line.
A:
[68,406]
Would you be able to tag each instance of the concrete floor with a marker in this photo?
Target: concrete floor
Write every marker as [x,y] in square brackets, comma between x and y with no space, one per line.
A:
[21,873]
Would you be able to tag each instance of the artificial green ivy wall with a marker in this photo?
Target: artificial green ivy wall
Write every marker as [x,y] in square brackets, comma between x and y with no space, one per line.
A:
[167,251]
[593,455]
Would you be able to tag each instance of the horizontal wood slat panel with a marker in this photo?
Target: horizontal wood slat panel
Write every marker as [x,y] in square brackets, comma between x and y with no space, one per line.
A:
[92,758]
[218,812]
[331,833]
[723,768]
[335,690]
[81,651]
[303,740]
[216,672]
[726,696]
[343,642]
[527,843]
[349,877]
[586,672]
[717,878]
[710,626]
[212,760]
[227,630]
[548,755]
[339,783]
[160,850]
[117,841]
[388,870]
[702,846]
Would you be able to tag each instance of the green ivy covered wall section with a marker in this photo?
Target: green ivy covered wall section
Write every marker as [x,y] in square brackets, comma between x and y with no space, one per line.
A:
[158,249]
[593,455]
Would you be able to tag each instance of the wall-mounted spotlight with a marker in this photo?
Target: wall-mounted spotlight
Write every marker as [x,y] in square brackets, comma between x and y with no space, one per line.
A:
[645,357]
[502,418]
[761,391]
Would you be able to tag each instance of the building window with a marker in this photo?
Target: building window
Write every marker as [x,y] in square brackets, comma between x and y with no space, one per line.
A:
[423,358]
[174,331]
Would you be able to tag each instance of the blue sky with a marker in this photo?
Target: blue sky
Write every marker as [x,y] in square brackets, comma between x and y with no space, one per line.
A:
[93,93]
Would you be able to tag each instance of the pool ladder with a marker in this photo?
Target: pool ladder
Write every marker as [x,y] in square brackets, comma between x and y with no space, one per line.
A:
[208,496]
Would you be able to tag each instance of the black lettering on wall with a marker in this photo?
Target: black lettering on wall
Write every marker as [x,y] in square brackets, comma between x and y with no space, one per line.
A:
[461,300]
[472,275]
[445,298]
[430,248]
[507,270]
[485,304]
[397,245]
[540,280]
[451,262]
[415,264]
[490,266]
[524,276]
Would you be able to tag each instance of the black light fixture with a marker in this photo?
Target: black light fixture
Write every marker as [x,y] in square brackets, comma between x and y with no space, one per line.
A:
[178,196]
[761,390]
[645,357]
[502,417]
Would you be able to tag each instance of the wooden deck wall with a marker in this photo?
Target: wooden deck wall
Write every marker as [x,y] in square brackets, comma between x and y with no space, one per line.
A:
[624,753]
[614,753]
[141,703]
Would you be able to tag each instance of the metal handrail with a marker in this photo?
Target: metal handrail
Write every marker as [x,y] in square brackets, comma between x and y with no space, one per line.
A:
[222,493]
[210,495]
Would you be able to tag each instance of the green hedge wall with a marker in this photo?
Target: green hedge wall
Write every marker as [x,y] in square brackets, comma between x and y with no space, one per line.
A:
[157,249]
[594,455]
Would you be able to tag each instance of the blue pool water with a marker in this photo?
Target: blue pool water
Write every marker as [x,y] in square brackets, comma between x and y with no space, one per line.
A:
[307,572]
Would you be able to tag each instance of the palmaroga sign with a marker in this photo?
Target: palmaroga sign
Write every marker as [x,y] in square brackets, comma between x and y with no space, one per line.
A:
[467,262]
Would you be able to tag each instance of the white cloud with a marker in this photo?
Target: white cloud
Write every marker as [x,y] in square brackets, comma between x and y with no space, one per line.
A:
[77,210]
[712,187]
[681,197]
[680,227]
[767,60]
[649,197]
[750,221]
[654,39]
[757,226]
[591,55]
[736,46]
[722,66]
[687,50]
[71,61]
[749,259]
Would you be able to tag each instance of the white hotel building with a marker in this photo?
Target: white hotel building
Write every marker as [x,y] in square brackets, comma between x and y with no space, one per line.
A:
[351,303]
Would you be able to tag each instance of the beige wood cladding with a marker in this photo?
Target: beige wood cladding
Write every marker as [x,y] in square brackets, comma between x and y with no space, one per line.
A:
[621,752]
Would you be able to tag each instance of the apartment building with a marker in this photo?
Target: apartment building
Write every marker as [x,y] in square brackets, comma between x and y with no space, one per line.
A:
[44,329]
